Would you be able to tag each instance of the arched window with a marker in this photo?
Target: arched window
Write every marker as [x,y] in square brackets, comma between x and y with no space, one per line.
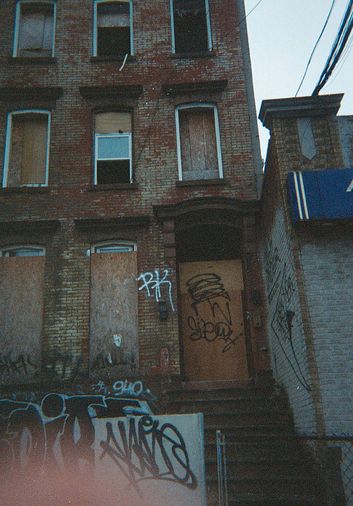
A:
[112,28]
[34,29]
[27,148]
[22,251]
[198,142]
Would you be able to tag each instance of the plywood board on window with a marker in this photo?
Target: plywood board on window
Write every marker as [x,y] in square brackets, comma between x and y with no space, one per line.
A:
[114,320]
[21,316]
[213,333]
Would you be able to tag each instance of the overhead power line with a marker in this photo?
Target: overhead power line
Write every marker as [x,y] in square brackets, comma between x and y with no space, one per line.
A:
[339,44]
[315,46]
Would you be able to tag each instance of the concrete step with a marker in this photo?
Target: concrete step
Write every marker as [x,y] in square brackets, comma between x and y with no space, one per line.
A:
[263,470]
[265,418]
[231,404]
[259,450]
[269,500]
[266,394]
[250,433]
[276,486]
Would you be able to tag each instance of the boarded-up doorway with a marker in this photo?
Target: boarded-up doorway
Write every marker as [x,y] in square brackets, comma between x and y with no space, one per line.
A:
[212,320]
[114,319]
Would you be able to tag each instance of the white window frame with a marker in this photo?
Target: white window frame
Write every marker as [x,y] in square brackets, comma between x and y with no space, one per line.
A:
[95,27]
[18,24]
[8,145]
[126,247]
[208,23]
[4,252]
[96,159]
[196,105]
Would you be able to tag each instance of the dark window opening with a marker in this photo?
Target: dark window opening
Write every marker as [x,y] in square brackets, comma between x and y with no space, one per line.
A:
[113,29]
[35,31]
[190,26]
[113,172]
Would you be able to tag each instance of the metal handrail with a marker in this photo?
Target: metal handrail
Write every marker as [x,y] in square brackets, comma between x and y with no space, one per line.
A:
[221,469]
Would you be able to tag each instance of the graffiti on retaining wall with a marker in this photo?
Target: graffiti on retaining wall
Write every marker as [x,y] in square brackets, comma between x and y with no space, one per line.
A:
[145,449]
[210,298]
[125,388]
[155,284]
[58,430]
[280,292]
[21,364]
[100,439]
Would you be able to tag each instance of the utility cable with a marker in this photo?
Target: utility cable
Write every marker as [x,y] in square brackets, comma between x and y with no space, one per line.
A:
[337,48]
[315,46]
[248,14]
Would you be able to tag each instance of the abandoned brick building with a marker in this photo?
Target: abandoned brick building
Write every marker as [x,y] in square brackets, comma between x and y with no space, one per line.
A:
[134,249]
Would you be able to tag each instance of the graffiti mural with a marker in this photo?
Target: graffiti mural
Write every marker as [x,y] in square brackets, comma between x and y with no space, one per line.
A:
[281,290]
[22,364]
[207,290]
[100,438]
[154,283]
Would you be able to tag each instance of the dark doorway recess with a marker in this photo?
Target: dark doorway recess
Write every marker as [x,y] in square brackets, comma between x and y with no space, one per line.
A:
[208,242]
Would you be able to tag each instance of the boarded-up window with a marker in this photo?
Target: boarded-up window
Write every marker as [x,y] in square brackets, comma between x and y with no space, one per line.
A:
[113,28]
[27,160]
[35,29]
[113,326]
[21,314]
[198,143]
[113,148]
[190,23]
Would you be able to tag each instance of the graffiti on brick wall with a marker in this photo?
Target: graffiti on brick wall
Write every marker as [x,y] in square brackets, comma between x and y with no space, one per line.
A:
[112,359]
[17,365]
[62,365]
[157,285]
[125,388]
[280,292]
[210,298]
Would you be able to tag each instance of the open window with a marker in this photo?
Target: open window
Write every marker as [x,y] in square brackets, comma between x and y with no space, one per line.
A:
[198,142]
[35,29]
[113,28]
[27,149]
[113,151]
[191,29]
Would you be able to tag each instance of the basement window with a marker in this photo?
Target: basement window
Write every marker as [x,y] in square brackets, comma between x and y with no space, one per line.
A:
[27,149]
[113,150]
[34,30]
[113,29]
[198,142]
[191,28]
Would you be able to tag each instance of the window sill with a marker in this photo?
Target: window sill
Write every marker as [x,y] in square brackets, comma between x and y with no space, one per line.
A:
[202,54]
[107,59]
[33,59]
[202,182]
[25,189]
[108,187]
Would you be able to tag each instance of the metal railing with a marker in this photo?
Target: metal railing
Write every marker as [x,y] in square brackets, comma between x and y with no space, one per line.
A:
[221,469]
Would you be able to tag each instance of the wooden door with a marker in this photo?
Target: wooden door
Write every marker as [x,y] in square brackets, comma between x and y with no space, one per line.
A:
[212,320]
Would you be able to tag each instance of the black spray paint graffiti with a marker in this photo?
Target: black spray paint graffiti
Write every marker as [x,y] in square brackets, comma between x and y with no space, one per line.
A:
[56,432]
[145,450]
[282,321]
[113,359]
[153,283]
[58,365]
[207,290]
[17,365]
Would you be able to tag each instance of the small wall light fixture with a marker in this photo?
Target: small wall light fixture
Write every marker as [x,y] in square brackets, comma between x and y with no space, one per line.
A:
[162,310]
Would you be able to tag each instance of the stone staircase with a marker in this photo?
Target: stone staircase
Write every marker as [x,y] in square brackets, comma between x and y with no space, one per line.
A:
[265,463]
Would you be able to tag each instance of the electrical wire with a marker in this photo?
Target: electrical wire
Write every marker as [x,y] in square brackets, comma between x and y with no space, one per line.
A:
[339,44]
[248,14]
[315,46]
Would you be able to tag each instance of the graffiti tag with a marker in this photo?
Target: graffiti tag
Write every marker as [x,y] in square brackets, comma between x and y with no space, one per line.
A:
[153,282]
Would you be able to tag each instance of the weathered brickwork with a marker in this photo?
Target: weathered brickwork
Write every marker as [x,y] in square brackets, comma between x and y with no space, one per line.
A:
[71,197]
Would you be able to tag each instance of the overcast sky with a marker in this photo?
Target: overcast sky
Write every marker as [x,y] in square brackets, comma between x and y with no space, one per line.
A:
[282,34]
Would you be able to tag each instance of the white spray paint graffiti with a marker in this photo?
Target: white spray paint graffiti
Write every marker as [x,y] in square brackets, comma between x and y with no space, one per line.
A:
[152,283]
